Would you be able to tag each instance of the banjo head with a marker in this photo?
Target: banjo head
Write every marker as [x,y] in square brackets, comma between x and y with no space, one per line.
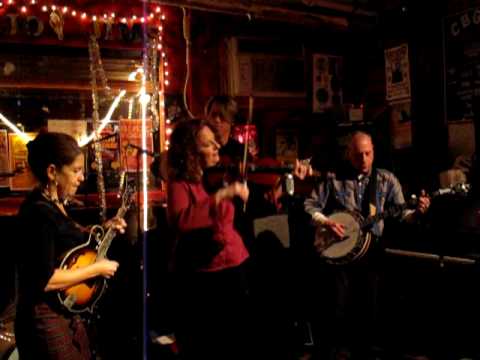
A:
[331,247]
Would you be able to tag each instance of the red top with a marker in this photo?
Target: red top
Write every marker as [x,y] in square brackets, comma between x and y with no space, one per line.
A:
[190,208]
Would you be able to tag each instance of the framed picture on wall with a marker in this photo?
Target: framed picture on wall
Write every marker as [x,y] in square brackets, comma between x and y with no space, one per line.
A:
[4,159]
[327,82]
[24,179]
[286,145]
[401,124]
[397,73]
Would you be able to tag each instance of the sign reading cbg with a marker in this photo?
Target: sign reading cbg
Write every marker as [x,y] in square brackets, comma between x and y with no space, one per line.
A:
[462,63]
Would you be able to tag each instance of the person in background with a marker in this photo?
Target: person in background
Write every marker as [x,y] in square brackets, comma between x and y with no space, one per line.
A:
[356,284]
[271,296]
[221,112]
[208,256]
[43,329]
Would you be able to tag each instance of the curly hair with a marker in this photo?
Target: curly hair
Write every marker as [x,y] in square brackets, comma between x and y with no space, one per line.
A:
[184,162]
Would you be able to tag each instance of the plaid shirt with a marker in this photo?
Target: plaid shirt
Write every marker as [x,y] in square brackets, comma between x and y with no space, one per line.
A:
[347,192]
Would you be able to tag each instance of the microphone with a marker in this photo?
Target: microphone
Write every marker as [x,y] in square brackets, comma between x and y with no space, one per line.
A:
[289,184]
[142,150]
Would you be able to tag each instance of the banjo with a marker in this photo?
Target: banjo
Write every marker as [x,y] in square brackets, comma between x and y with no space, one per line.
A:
[357,238]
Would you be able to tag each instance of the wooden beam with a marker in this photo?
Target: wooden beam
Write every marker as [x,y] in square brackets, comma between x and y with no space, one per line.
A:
[341,7]
[305,15]
[73,86]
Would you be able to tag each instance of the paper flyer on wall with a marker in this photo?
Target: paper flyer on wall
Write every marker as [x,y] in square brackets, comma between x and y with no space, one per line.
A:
[131,134]
[110,154]
[4,163]
[24,179]
[397,73]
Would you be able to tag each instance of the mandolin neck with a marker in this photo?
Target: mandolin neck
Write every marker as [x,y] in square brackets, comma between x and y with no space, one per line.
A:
[109,236]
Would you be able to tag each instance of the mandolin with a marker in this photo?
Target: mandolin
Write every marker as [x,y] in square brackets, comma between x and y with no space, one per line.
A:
[84,296]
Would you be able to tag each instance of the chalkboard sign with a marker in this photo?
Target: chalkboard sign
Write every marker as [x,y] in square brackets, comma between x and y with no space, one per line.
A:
[462,63]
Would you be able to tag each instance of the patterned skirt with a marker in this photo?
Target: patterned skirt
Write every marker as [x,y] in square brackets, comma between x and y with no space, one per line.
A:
[42,333]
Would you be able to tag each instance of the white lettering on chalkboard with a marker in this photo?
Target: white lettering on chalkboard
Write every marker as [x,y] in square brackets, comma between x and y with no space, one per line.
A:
[465,21]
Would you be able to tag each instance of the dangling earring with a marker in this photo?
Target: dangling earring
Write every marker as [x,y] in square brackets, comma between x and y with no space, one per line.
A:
[47,192]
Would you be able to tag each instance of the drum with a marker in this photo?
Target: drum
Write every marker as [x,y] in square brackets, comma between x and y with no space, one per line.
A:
[8,350]
[352,247]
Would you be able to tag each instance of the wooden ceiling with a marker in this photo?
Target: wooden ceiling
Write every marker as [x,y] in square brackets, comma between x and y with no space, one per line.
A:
[330,13]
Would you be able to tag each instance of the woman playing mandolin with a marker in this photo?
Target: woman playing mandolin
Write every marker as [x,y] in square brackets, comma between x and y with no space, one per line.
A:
[45,232]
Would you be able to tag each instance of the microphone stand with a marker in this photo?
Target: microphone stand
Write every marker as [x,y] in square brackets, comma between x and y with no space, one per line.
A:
[7,174]
[143,236]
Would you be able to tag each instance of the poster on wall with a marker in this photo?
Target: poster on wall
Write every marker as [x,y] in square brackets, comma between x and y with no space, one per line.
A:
[4,167]
[397,73]
[75,128]
[462,63]
[24,179]
[131,141]
[110,153]
[327,82]
[401,124]
[286,144]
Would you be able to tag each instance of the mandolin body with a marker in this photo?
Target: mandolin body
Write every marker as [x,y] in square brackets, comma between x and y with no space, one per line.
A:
[83,296]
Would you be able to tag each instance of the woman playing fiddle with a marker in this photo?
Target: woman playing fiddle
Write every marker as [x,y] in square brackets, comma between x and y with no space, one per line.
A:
[209,254]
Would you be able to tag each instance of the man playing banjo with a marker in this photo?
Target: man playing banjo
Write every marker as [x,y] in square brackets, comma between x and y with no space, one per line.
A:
[348,197]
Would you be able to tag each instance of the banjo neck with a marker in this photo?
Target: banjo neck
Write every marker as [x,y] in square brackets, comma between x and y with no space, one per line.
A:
[396,210]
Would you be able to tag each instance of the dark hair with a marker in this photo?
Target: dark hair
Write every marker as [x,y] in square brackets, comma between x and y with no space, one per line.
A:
[228,107]
[51,148]
[183,155]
